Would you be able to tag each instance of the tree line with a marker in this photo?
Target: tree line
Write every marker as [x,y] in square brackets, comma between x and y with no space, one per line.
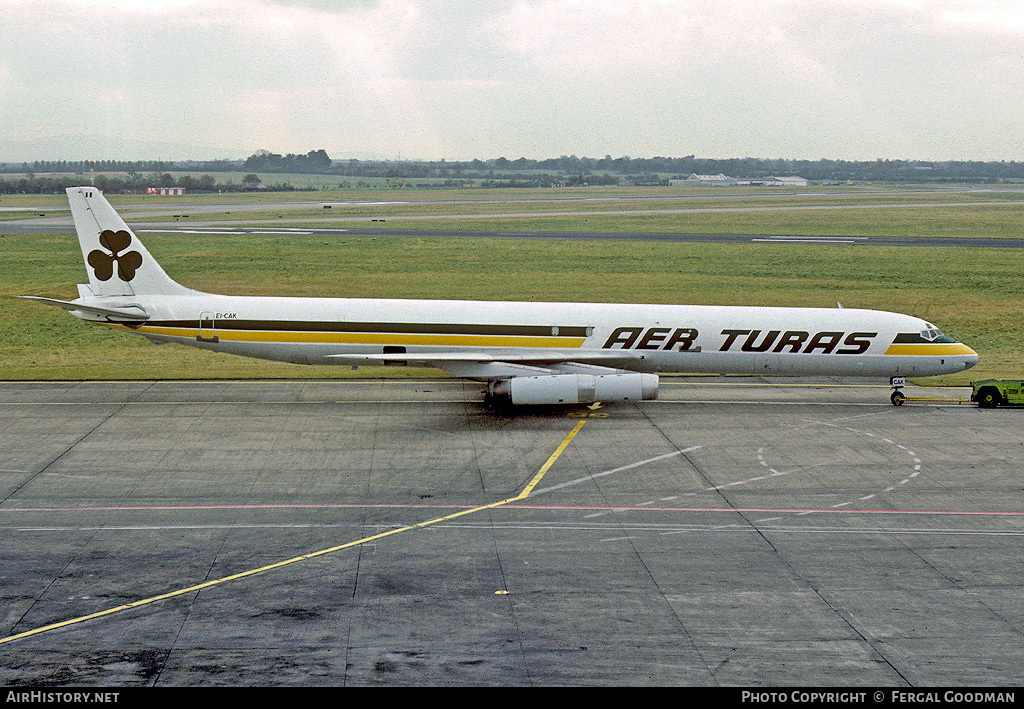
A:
[519,169]
[566,170]
[128,184]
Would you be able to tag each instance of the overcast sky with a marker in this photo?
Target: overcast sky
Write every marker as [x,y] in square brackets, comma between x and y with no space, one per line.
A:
[455,79]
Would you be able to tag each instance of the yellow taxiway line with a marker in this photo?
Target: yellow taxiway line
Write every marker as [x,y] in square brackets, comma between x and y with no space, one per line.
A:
[312,555]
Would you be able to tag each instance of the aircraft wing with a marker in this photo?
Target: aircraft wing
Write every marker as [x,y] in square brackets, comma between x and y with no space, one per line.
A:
[540,357]
[493,366]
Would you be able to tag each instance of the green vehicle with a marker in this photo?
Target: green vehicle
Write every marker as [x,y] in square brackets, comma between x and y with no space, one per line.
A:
[993,392]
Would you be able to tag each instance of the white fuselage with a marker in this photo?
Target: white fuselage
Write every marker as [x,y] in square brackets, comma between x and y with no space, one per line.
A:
[645,338]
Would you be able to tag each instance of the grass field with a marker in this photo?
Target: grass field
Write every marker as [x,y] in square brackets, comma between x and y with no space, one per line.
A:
[973,294]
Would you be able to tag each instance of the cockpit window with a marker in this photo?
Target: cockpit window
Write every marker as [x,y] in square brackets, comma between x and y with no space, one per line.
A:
[933,334]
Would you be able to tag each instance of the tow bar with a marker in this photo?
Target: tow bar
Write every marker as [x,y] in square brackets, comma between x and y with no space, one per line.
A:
[898,397]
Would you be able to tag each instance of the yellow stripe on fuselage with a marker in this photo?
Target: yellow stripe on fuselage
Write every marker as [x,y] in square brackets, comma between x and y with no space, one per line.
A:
[929,349]
[367,338]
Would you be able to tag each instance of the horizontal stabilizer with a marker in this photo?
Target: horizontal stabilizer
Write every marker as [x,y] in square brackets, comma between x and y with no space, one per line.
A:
[131,314]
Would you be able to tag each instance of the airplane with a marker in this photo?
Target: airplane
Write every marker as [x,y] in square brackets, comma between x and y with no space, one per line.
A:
[527,353]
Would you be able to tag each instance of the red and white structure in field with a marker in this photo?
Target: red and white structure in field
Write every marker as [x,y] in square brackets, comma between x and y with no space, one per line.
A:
[166,191]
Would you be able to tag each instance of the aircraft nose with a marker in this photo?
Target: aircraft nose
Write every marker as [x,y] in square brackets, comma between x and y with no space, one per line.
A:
[970,358]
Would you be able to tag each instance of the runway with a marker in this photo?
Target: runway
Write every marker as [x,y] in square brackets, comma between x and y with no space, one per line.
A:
[378,218]
[213,229]
[736,532]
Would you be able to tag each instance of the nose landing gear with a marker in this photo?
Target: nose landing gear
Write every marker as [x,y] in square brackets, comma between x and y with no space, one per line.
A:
[897,397]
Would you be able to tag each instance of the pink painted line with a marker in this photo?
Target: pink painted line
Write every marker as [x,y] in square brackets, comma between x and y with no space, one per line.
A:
[582,508]
[126,508]
[847,510]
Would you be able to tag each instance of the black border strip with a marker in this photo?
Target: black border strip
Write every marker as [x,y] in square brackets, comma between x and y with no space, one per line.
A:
[377,327]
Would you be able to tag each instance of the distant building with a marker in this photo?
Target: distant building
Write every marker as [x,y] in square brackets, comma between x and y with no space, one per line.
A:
[698,180]
[166,191]
[793,181]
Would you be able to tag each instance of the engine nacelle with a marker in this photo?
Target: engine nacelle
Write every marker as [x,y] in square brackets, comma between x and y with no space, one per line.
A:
[574,388]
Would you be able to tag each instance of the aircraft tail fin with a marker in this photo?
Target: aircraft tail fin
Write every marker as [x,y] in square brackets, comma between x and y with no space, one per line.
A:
[115,259]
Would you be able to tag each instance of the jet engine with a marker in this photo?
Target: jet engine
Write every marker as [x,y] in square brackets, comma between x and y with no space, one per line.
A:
[573,388]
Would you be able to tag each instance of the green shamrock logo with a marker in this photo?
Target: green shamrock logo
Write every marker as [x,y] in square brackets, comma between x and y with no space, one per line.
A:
[103,263]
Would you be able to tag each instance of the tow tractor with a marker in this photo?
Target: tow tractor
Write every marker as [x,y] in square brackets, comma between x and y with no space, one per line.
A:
[990,393]
[987,394]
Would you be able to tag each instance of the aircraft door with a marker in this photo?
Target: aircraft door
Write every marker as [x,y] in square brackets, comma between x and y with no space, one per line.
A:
[207,328]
